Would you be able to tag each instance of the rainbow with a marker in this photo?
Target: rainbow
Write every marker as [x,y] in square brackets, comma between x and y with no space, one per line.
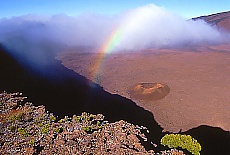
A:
[107,47]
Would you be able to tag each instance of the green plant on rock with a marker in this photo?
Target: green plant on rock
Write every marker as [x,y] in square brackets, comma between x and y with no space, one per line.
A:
[1,106]
[45,129]
[52,118]
[99,125]
[23,132]
[40,124]
[183,141]
[65,119]
[31,142]
[91,117]
[14,117]
[12,128]
[58,130]
[30,110]
[77,118]
[85,117]
[87,129]
[61,121]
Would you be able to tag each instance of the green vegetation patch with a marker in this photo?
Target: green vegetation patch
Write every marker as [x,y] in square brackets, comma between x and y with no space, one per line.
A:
[184,141]
[87,129]
[15,117]
[23,132]
[31,142]
[45,129]
[58,130]
[12,128]
[52,118]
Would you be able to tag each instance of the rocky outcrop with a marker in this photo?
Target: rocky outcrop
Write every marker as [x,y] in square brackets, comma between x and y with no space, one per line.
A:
[28,129]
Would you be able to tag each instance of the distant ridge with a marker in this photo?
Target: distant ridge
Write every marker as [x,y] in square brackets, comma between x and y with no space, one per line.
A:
[221,20]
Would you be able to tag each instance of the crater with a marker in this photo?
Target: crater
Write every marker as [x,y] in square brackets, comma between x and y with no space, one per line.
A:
[149,91]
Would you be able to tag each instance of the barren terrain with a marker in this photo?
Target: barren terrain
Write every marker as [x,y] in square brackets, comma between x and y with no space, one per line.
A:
[198,79]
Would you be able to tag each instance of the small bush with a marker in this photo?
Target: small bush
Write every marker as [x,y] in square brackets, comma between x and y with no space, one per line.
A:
[99,125]
[61,121]
[14,117]
[23,132]
[52,118]
[31,142]
[77,118]
[183,141]
[45,129]
[58,130]
[12,128]
[88,129]
[91,117]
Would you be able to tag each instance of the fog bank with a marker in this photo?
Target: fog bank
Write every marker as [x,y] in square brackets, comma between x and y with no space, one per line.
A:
[34,36]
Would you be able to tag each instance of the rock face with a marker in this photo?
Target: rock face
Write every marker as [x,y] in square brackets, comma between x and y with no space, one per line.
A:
[221,20]
[149,91]
[27,129]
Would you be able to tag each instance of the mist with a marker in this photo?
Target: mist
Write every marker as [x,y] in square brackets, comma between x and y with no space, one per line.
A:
[33,38]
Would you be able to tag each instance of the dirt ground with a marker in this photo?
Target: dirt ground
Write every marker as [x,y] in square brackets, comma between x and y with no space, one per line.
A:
[198,79]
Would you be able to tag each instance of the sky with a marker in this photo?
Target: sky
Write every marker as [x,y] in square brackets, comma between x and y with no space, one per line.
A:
[184,8]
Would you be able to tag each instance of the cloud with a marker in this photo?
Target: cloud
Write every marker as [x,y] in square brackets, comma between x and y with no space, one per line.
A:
[33,37]
[153,26]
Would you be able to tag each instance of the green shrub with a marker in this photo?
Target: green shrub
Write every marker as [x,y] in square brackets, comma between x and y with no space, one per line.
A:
[14,117]
[31,142]
[52,118]
[61,121]
[87,129]
[77,118]
[91,117]
[40,124]
[12,128]
[183,141]
[1,106]
[58,130]
[99,124]
[65,119]
[45,129]
[23,132]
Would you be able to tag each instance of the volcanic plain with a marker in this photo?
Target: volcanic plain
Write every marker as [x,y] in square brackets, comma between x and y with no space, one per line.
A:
[192,82]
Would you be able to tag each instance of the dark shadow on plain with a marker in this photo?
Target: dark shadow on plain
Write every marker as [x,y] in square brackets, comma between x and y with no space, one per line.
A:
[65,92]
[213,140]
